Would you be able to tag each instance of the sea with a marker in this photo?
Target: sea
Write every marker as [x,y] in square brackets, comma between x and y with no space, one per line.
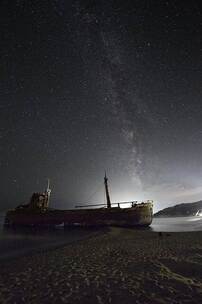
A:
[14,243]
[177,224]
[19,242]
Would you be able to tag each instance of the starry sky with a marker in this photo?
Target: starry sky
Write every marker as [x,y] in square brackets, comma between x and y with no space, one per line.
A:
[88,86]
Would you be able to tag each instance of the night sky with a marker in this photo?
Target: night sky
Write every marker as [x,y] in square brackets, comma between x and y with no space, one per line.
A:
[88,86]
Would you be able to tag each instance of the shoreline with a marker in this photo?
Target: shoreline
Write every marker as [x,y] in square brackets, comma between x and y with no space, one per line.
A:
[121,266]
[49,243]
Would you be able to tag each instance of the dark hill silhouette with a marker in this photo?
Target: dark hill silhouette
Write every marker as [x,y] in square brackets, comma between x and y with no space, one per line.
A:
[187,209]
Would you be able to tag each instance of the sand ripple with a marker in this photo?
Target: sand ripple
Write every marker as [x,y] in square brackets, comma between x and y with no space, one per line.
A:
[121,266]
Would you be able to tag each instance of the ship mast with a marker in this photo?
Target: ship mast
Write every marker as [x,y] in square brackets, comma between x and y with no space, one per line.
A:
[48,191]
[107,191]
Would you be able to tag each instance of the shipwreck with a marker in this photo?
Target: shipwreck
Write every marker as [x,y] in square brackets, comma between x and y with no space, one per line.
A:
[38,213]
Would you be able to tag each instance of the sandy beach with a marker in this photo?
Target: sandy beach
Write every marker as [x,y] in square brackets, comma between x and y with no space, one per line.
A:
[119,266]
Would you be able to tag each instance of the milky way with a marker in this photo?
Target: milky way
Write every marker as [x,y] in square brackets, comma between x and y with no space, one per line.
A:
[89,86]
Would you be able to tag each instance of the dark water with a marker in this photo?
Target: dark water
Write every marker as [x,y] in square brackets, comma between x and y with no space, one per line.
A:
[19,242]
[177,224]
[14,243]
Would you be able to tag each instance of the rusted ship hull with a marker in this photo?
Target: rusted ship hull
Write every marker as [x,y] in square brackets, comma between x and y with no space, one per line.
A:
[138,215]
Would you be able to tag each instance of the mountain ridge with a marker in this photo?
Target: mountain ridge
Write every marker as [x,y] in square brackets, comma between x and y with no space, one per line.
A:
[183,209]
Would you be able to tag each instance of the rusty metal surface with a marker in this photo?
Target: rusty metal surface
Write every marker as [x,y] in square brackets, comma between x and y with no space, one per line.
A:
[137,215]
